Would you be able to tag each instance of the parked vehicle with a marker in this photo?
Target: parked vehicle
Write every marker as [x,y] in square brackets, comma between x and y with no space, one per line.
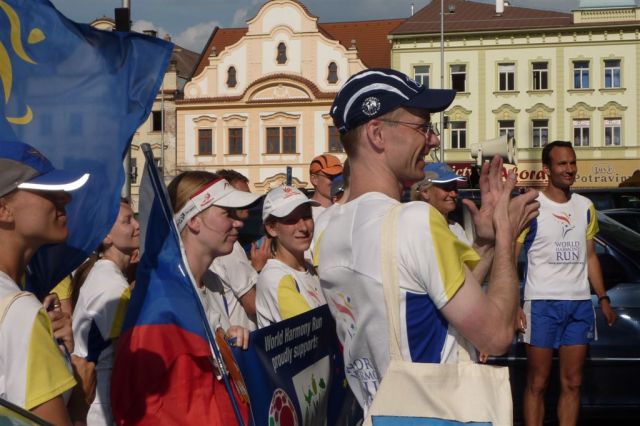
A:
[628,217]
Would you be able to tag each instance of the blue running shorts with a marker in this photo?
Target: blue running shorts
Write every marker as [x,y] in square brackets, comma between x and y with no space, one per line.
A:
[555,323]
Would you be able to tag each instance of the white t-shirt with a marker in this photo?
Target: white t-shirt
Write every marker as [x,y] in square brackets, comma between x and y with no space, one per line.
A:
[319,225]
[430,271]
[284,292]
[32,368]
[459,232]
[238,277]
[97,320]
[316,211]
[556,246]
[212,297]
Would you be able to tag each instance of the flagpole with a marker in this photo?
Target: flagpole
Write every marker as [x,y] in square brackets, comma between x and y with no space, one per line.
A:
[123,24]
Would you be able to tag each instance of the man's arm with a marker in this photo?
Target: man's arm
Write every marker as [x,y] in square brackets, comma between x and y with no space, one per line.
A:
[485,250]
[594,271]
[487,320]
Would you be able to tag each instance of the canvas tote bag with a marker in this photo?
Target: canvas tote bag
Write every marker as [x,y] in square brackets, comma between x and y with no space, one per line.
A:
[428,393]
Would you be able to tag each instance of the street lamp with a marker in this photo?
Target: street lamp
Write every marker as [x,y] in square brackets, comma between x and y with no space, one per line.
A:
[443,130]
[443,121]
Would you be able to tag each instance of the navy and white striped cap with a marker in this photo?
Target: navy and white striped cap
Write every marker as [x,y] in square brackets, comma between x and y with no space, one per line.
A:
[377,91]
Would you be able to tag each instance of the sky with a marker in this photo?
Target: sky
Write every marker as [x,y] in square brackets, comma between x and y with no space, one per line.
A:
[190,22]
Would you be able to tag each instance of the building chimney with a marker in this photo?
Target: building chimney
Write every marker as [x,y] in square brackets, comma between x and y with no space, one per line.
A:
[150,33]
[499,7]
[412,6]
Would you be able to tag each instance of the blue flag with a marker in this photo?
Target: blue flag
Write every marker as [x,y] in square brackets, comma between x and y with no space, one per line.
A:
[78,95]
[163,372]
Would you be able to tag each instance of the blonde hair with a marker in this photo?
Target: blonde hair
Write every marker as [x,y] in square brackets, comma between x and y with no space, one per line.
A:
[183,186]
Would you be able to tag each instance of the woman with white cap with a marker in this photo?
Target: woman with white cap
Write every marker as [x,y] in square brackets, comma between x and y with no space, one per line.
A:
[288,285]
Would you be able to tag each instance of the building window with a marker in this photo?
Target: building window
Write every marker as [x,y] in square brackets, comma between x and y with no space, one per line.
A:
[335,145]
[282,53]
[540,135]
[612,134]
[459,78]
[458,134]
[156,121]
[273,140]
[580,132]
[332,77]
[540,76]
[507,74]
[231,77]
[288,142]
[134,170]
[235,141]
[205,142]
[612,74]
[421,75]
[507,127]
[581,74]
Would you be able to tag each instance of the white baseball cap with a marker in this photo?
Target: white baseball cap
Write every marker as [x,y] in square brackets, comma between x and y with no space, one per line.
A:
[281,201]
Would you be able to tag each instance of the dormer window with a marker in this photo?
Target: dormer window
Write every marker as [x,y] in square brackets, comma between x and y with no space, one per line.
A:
[282,53]
[332,77]
[231,77]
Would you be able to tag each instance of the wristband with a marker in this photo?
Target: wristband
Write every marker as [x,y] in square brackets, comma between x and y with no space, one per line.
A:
[605,297]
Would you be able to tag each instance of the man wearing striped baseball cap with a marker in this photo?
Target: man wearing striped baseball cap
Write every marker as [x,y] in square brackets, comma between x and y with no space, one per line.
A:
[384,118]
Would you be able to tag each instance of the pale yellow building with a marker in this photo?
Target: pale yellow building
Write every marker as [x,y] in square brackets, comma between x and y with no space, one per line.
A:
[259,98]
[537,75]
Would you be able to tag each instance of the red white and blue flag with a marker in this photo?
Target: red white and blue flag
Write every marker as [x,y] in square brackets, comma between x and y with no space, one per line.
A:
[164,367]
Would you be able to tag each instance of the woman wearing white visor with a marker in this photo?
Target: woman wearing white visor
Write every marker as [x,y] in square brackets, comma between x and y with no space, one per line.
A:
[288,285]
[204,206]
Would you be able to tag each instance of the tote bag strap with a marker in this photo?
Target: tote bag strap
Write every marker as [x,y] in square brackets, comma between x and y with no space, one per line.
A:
[389,262]
[6,302]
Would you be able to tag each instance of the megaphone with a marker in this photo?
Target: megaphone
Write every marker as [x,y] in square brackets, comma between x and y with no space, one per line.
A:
[503,146]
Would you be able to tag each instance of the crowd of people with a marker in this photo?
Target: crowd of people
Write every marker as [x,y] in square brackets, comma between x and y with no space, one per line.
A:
[56,355]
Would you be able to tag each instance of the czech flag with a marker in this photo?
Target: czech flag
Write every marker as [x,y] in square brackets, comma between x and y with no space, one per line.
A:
[164,370]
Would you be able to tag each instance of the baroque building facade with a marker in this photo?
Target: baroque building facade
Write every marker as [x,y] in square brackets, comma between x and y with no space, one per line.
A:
[535,75]
[258,101]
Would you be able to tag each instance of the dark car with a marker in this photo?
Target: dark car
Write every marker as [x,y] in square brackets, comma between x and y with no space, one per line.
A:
[612,198]
[11,414]
[628,217]
[609,385]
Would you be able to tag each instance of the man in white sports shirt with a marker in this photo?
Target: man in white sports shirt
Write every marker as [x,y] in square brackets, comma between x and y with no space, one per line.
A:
[561,262]
[384,120]
[239,274]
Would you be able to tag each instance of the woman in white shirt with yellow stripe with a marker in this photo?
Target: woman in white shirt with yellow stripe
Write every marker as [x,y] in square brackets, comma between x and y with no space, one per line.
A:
[288,285]
[102,299]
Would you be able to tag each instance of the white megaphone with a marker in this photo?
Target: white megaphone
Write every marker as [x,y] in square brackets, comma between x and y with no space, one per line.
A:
[503,146]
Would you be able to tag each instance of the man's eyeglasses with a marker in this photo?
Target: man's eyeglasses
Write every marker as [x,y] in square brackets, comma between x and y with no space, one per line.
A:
[331,178]
[424,128]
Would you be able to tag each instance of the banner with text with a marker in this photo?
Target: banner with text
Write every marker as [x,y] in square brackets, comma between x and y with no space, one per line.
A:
[294,373]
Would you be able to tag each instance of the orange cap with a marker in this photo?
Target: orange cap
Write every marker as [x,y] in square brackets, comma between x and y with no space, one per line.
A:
[327,164]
